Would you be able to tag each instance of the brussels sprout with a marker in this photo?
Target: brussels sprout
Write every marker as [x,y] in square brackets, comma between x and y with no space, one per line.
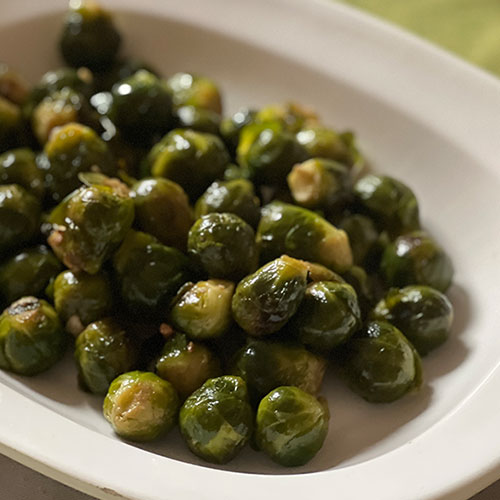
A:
[162,209]
[186,365]
[230,127]
[204,310]
[390,202]
[216,421]
[193,90]
[18,166]
[141,107]
[317,272]
[10,125]
[148,273]
[81,299]
[235,197]
[72,149]
[102,352]
[203,120]
[328,315]
[19,216]
[291,115]
[319,183]
[27,272]
[356,277]
[291,426]
[235,172]
[224,245]
[12,86]
[192,159]
[380,364]
[363,236]
[423,314]
[31,337]
[300,233]
[268,152]
[266,365]
[141,406]
[89,225]
[89,37]
[416,259]
[266,300]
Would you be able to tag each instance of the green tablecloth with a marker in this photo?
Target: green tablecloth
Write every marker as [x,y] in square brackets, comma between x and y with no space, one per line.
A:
[470,28]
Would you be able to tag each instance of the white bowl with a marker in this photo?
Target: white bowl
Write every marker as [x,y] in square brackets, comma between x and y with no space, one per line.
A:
[421,115]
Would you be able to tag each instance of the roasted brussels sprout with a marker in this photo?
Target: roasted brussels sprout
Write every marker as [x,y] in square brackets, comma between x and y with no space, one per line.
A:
[28,272]
[148,273]
[18,166]
[192,159]
[380,364]
[187,365]
[162,209]
[224,245]
[416,259]
[266,365]
[193,90]
[31,337]
[202,120]
[363,236]
[141,108]
[422,313]
[81,299]
[89,225]
[300,233]
[230,127]
[328,315]
[363,286]
[102,352]
[216,421]
[291,426]
[389,202]
[291,115]
[70,150]
[235,197]
[141,406]
[89,37]
[267,299]
[13,87]
[10,125]
[203,310]
[19,216]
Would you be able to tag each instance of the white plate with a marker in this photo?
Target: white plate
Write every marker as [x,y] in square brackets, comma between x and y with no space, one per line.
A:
[421,115]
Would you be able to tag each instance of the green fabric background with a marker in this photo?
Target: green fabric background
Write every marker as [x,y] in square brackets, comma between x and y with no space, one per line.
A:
[470,28]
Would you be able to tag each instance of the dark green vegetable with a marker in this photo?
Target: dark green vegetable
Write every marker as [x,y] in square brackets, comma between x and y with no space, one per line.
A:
[216,421]
[291,426]
[195,118]
[363,236]
[10,125]
[141,406]
[13,86]
[31,337]
[18,166]
[224,245]
[231,127]
[291,115]
[363,286]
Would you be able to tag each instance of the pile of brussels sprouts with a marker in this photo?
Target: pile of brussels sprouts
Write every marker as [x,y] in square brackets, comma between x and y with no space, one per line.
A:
[204,270]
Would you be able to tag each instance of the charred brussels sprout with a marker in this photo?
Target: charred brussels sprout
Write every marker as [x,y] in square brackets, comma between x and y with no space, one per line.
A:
[291,115]
[230,127]
[423,314]
[141,107]
[203,311]
[19,216]
[88,226]
[10,125]
[216,421]
[363,236]
[102,352]
[193,90]
[291,426]
[416,259]
[141,406]
[390,202]
[12,86]
[300,233]
[192,159]
[224,245]
[186,365]
[28,272]
[266,365]
[70,150]
[18,166]
[81,299]
[89,37]
[148,273]
[380,364]
[328,315]
[235,197]
[267,299]
[203,120]
[31,337]
[162,209]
